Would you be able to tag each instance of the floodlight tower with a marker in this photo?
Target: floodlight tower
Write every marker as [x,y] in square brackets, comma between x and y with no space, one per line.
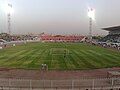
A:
[9,17]
[91,15]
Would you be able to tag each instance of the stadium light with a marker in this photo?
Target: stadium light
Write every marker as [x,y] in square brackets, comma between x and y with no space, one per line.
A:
[9,9]
[91,15]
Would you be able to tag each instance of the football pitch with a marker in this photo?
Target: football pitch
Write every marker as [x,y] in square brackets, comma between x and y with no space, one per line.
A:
[59,56]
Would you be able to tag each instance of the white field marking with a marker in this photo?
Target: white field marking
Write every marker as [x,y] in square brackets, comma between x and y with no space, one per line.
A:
[53,55]
[59,48]
[95,52]
[52,50]
[60,54]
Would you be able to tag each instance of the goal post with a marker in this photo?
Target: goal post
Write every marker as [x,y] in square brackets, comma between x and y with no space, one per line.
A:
[59,51]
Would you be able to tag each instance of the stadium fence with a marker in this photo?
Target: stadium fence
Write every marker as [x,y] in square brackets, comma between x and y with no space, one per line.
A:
[81,84]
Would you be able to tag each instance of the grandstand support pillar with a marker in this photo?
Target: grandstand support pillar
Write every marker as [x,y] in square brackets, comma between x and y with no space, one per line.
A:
[72,84]
[51,84]
[30,85]
[93,85]
[112,81]
[9,82]
[90,29]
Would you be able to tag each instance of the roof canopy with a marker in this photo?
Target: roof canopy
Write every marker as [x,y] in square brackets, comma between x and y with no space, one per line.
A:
[112,28]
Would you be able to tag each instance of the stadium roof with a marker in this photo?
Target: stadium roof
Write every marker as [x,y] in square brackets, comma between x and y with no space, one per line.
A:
[112,28]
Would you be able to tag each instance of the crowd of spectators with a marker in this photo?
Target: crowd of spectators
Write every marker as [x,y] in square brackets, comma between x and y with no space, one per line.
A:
[8,37]
[115,38]
[109,41]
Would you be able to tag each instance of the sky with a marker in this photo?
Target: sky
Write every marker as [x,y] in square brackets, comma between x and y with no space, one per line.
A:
[59,16]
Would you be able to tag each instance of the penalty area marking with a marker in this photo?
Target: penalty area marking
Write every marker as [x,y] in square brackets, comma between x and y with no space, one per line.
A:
[59,51]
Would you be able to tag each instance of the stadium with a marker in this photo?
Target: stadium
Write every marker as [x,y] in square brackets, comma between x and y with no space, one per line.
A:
[48,46]
[67,58]
[60,62]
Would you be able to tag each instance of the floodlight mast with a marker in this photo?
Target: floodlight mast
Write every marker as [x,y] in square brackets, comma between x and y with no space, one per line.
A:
[91,15]
[9,17]
[90,29]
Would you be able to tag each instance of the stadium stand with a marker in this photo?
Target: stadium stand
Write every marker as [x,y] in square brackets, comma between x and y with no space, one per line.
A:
[113,36]
[62,38]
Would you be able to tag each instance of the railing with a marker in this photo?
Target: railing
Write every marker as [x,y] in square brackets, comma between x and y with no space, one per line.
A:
[81,84]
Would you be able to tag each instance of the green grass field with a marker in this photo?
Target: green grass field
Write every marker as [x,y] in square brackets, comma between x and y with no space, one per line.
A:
[59,56]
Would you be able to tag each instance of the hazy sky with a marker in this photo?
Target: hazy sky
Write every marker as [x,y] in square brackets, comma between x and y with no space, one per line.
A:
[60,16]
